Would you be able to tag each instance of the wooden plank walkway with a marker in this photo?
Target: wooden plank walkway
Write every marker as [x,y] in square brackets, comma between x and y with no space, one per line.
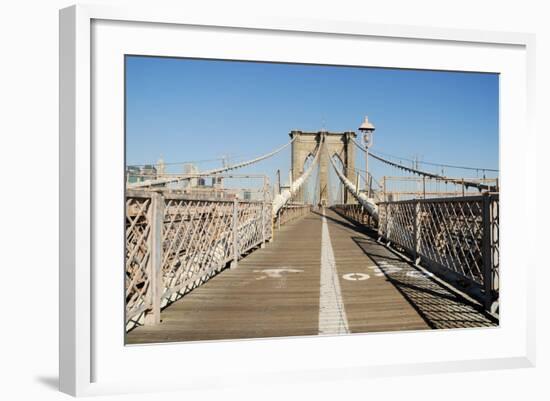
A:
[278,291]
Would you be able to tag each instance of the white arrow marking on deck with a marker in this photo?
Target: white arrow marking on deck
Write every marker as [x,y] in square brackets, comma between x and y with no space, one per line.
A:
[277,273]
[332,315]
[355,276]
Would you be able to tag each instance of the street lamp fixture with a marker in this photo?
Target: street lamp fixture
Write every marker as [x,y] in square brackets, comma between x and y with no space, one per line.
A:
[367,129]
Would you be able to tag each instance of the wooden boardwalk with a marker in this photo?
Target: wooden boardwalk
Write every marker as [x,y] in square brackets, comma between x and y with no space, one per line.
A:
[321,274]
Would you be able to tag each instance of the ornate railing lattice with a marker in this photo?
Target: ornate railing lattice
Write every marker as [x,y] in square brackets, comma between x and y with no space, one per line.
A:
[451,234]
[355,212]
[197,238]
[400,224]
[291,212]
[250,225]
[459,235]
[138,253]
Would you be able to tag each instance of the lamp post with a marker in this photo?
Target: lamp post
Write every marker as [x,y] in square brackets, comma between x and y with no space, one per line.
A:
[367,129]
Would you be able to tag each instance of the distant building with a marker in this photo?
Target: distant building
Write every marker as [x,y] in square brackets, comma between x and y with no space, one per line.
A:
[137,174]
[208,192]
[161,166]
[148,172]
[132,174]
[190,168]
[217,182]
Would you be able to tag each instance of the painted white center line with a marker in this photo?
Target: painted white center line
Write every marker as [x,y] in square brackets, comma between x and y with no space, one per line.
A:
[332,315]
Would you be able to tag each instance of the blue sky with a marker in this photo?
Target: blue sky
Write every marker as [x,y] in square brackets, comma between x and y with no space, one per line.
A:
[189,110]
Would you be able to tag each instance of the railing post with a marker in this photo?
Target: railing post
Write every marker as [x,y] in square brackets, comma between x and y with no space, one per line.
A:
[382,222]
[417,230]
[369,178]
[263,224]
[424,187]
[235,232]
[156,219]
[486,250]
[272,221]
[388,218]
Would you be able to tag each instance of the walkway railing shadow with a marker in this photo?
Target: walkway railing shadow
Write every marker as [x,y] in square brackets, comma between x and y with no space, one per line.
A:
[455,238]
[440,306]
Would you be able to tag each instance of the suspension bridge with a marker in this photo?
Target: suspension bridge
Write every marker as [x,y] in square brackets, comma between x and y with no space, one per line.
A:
[312,257]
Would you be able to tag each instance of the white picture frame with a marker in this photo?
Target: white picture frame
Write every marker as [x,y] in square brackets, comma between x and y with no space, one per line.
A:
[83,352]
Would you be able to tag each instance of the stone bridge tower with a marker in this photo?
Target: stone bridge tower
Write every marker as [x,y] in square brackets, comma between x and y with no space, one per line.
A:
[337,143]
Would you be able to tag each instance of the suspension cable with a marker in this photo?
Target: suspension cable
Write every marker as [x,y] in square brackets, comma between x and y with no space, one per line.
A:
[367,203]
[374,180]
[281,199]
[467,184]
[189,161]
[208,172]
[494,170]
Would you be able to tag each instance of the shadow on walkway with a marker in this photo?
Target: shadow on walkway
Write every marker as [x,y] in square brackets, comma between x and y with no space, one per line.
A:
[441,307]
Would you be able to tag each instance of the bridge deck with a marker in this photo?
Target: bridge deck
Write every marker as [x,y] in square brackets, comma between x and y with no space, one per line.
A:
[321,275]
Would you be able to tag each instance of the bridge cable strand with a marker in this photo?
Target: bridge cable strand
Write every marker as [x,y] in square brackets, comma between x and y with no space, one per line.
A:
[208,172]
[282,199]
[467,184]
[483,169]
[367,174]
[375,191]
[370,206]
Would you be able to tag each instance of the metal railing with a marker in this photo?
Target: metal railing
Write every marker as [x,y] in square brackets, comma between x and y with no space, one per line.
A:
[398,188]
[456,236]
[357,213]
[175,243]
[291,212]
